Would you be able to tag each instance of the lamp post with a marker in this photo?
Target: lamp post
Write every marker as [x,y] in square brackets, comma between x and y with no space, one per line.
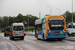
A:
[59,10]
[72,13]
[50,9]
[40,15]
[28,20]
[8,21]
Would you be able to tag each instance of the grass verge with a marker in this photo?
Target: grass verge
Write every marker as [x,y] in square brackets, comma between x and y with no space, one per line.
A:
[1,32]
[30,31]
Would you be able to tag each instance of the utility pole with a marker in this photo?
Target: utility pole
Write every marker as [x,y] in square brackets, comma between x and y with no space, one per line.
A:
[8,21]
[50,10]
[40,15]
[28,20]
[72,13]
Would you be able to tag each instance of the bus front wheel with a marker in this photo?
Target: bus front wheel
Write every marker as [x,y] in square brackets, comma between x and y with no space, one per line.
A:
[43,37]
[37,38]
[59,39]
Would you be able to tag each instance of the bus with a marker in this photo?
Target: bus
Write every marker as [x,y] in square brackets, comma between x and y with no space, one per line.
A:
[51,27]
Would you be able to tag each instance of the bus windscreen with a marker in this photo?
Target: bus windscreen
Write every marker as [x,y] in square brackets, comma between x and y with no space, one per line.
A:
[56,24]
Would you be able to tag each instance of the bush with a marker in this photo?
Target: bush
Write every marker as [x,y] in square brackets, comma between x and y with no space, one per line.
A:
[30,28]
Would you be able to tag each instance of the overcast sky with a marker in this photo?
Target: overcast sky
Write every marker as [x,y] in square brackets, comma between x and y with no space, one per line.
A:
[14,7]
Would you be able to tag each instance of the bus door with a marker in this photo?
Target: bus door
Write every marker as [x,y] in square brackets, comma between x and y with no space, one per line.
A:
[38,31]
[44,29]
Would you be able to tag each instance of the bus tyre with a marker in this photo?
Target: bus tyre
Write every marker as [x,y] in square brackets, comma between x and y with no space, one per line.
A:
[43,38]
[37,38]
[60,39]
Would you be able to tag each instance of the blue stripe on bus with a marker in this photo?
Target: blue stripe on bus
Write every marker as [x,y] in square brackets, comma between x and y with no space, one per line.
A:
[60,35]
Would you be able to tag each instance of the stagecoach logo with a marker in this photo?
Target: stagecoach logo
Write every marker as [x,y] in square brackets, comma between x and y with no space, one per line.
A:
[55,21]
[61,32]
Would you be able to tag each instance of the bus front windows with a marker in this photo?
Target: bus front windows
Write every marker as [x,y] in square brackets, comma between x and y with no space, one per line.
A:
[56,24]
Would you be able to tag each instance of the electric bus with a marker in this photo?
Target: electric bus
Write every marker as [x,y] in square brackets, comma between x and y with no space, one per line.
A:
[51,27]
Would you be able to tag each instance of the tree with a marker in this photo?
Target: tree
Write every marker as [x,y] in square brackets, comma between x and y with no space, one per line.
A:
[5,21]
[0,23]
[19,18]
[68,16]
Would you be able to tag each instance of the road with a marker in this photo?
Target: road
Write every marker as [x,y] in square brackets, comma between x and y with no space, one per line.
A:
[31,43]
[6,45]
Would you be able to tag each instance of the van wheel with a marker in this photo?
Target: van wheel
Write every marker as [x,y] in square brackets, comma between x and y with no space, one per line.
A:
[22,38]
[12,38]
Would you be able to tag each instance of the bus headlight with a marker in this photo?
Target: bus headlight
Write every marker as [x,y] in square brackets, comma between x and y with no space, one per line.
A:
[47,31]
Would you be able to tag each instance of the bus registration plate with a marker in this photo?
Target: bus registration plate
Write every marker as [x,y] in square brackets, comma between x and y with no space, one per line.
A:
[56,37]
[15,35]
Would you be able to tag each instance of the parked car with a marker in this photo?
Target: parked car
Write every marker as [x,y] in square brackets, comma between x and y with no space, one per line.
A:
[71,32]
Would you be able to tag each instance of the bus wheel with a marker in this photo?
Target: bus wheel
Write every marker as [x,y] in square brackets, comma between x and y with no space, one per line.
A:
[37,38]
[43,37]
[60,39]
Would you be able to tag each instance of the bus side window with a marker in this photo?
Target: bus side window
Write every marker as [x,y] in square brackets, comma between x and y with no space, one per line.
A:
[44,26]
[40,27]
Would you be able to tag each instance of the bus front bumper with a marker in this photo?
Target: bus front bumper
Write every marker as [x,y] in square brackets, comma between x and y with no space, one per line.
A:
[55,36]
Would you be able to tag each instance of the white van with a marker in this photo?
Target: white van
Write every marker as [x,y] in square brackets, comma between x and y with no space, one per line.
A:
[17,30]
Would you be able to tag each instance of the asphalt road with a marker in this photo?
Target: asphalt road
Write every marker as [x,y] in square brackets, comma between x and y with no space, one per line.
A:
[31,43]
[7,45]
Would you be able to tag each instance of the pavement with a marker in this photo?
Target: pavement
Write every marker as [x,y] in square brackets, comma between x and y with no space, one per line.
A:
[30,33]
[6,45]
[72,38]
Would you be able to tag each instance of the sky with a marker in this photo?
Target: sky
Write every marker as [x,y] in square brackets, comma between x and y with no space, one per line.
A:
[14,7]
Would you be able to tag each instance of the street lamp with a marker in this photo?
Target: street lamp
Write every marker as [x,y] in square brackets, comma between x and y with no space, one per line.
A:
[40,15]
[8,21]
[72,13]
[50,9]
[59,10]
[28,20]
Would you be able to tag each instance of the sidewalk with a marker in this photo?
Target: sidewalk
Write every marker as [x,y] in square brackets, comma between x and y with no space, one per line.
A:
[30,33]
